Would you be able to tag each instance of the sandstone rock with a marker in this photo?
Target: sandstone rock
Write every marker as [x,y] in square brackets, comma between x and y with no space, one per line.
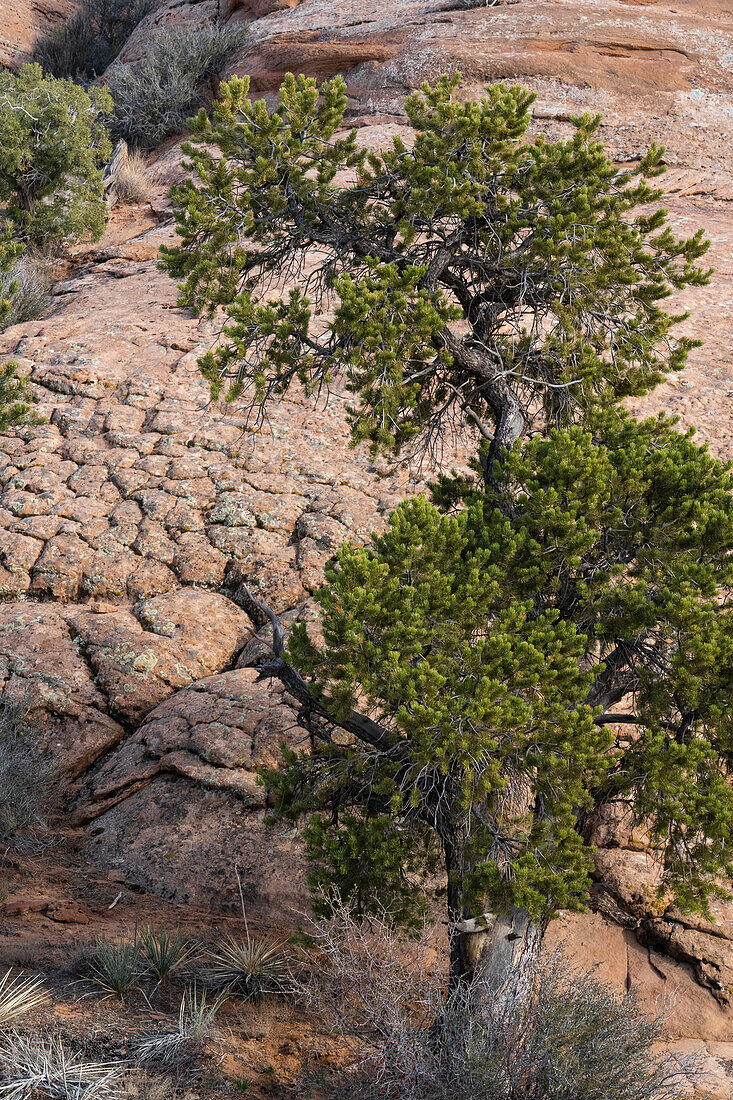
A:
[255,9]
[216,732]
[40,664]
[65,912]
[18,904]
[657,980]
[23,21]
[170,641]
[184,843]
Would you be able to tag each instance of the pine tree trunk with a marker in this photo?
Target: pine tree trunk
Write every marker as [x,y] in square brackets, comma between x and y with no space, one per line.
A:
[507,956]
[501,953]
[501,950]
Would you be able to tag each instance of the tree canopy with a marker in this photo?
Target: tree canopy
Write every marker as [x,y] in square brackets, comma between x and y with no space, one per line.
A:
[479,279]
[465,692]
[490,651]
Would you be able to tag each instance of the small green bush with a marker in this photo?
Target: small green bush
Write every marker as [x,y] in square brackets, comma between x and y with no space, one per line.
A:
[53,147]
[16,409]
[84,45]
[154,98]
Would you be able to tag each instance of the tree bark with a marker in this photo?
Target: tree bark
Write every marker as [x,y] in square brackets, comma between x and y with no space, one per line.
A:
[501,952]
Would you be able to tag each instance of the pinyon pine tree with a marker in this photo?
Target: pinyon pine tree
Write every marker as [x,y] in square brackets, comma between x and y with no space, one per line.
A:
[465,696]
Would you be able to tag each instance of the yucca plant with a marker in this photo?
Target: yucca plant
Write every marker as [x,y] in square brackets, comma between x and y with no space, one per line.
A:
[164,952]
[20,995]
[195,1024]
[32,1067]
[116,966]
[249,968]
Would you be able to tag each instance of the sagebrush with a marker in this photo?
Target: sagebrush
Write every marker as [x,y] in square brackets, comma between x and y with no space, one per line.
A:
[22,293]
[154,98]
[26,286]
[570,1038]
[84,44]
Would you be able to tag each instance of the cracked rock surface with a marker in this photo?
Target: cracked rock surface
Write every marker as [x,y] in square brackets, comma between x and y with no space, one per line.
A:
[127,522]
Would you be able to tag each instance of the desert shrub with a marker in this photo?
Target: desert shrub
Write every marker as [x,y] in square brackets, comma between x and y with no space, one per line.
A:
[26,776]
[570,1038]
[19,995]
[195,1024]
[248,968]
[84,45]
[10,252]
[26,287]
[53,146]
[32,1067]
[134,181]
[115,966]
[15,395]
[154,98]
[16,408]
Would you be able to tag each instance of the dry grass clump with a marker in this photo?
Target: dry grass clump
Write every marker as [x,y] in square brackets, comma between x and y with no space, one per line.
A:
[195,1024]
[31,1068]
[134,181]
[26,776]
[20,995]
